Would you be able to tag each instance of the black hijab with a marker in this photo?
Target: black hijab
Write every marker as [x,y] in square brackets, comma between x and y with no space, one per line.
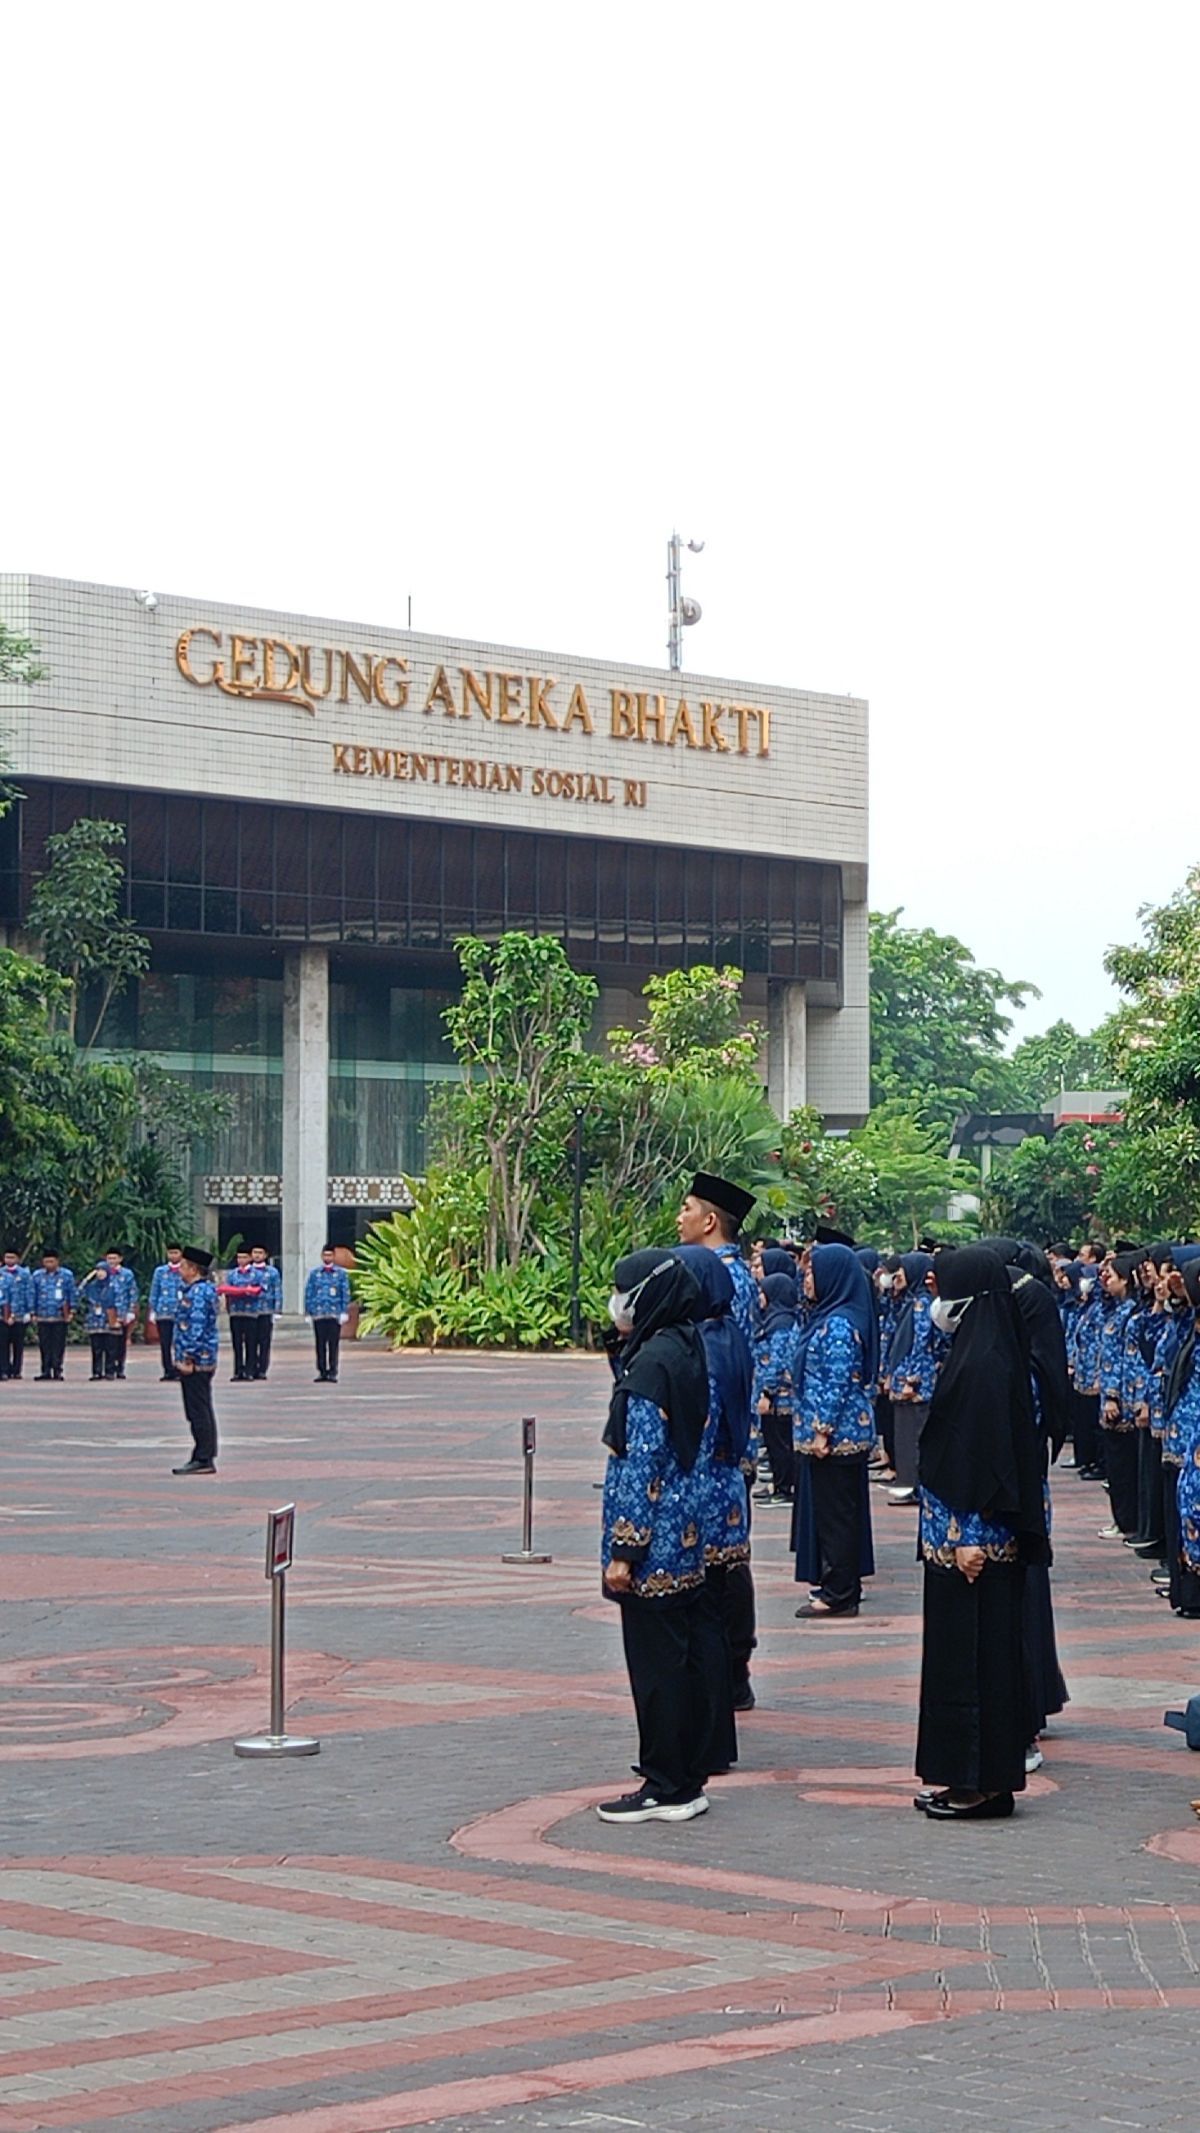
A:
[979,1450]
[663,1359]
[776,1261]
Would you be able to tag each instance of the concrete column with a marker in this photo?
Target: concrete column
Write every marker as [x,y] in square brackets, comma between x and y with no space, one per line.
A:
[305,1116]
[787,1048]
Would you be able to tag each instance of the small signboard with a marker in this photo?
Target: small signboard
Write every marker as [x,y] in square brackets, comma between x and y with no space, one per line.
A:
[529,1435]
[281,1532]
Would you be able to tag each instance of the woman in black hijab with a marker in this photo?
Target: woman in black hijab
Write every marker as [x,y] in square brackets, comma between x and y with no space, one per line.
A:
[982,1522]
[653,1542]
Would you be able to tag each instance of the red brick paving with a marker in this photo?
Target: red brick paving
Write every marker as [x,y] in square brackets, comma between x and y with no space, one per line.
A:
[483,1946]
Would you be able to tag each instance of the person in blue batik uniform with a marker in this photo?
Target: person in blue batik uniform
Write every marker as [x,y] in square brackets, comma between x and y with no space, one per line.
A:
[652,1548]
[242,1290]
[327,1303]
[16,1310]
[913,1356]
[837,1365]
[775,1349]
[165,1286]
[712,1215]
[982,1518]
[1181,1444]
[54,1294]
[123,1307]
[1122,1381]
[194,1357]
[100,1320]
[725,1499]
[270,1304]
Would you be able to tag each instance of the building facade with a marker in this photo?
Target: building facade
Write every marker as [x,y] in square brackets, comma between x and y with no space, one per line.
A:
[315,810]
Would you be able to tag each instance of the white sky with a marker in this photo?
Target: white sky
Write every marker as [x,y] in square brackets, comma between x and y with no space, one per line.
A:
[895,305]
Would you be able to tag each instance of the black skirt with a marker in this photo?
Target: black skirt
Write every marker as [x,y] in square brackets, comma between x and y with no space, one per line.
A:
[972,1731]
[1045,1688]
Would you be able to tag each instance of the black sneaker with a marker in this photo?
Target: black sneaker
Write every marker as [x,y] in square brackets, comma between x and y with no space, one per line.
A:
[196,1466]
[744,1699]
[645,1806]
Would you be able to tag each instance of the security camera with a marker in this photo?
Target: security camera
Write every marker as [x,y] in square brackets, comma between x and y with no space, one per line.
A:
[148,600]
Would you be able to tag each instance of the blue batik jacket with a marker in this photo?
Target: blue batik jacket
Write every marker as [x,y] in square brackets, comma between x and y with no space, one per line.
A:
[654,1515]
[99,1296]
[915,1374]
[165,1285]
[943,1530]
[724,1519]
[774,1367]
[16,1293]
[327,1292]
[53,1293]
[1119,1373]
[196,1338]
[831,1399]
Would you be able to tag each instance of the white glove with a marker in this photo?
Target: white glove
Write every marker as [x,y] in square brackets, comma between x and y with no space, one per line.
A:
[344,1320]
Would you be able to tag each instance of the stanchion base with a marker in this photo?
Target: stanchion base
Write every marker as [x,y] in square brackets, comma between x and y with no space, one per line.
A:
[526,1555]
[277,1744]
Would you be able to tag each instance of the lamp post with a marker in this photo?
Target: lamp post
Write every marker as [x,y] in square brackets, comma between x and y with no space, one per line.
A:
[576,1225]
[681,612]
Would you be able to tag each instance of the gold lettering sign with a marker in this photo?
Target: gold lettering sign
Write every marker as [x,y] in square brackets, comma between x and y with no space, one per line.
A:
[272,670]
[412,766]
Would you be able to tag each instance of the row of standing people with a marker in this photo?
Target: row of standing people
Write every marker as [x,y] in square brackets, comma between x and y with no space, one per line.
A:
[49,1298]
[819,1367]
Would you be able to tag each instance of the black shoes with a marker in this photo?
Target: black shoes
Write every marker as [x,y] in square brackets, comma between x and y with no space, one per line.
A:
[812,1613]
[744,1699]
[196,1466]
[942,1807]
[646,1806]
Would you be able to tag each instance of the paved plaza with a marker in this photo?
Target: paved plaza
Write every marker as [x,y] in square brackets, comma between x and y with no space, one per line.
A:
[426,1924]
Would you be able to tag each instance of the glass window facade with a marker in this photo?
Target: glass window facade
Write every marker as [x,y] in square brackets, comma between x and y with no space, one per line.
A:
[226,1033]
[387,1050]
[231,867]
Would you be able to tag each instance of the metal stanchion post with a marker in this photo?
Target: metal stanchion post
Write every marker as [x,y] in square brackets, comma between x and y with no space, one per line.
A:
[525,1553]
[281,1531]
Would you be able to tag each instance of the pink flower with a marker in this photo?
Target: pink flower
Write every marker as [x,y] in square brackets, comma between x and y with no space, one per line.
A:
[1092,1170]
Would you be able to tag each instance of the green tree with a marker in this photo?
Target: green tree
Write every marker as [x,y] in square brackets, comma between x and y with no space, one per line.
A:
[828,1178]
[19,661]
[518,1030]
[75,910]
[914,1176]
[938,1023]
[694,1021]
[1050,1188]
[1059,1059]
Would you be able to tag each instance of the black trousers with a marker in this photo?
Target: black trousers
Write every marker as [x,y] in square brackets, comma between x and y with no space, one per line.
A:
[1150,1495]
[196,1387]
[103,1355]
[260,1352]
[328,1334]
[52,1345]
[972,1731]
[1185,1584]
[166,1345]
[241,1336]
[777,1436]
[12,1349]
[712,1630]
[885,1424]
[1121,1469]
[837,1493]
[908,1420]
[118,1349]
[1085,1429]
[667,1651]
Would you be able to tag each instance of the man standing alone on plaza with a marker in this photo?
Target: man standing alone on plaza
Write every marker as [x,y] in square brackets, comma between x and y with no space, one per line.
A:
[16,1310]
[270,1303]
[53,1302]
[327,1303]
[195,1357]
[165,1285]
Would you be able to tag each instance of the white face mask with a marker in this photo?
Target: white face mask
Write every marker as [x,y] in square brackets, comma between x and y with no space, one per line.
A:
[885,1282]
[619,1312]
[1085,1288]
[947,1312]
